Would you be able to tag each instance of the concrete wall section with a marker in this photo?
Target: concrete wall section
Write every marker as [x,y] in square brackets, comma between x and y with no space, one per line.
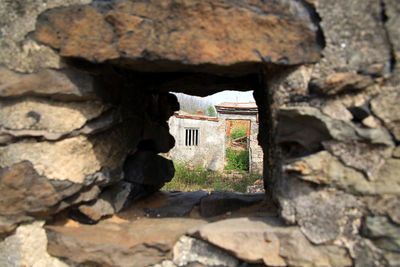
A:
[209,152]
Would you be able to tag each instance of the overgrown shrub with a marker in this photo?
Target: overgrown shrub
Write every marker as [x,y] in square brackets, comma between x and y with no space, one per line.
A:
[238,131]
[237,160]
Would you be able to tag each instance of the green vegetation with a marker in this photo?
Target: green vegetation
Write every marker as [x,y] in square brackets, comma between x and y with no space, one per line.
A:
[237,160]
[187,179]
[211,111]
[238,131]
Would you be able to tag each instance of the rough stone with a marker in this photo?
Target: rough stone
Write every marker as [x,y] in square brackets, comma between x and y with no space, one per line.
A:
[323,168]
[148,168]
[334,214]
[388,205]
[27,247]
[220,202]
[263,240]
[352,154]
[308,127]
[386,107]
[392,9]
[97,210]
[143,242]
[355,38]
[42,115]
[324,222]
[292,83]
[341,83]
[23,193]
[189,249]
[18,19]
[337,111]
[90,154]
[63,85]
[371,122]
[175,204]
[384,234]
[216,33]
[396,152]
[366,254]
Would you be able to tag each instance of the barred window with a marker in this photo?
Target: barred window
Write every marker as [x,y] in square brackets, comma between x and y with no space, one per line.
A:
[191,137]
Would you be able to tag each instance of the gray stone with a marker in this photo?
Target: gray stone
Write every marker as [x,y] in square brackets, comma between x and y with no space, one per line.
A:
[18,20]
[336,110]
[121,194]
[366,254]
[384,234]
[386,107]
[97,210]
[392,9]
[323,168]
[27,247]
[189,249]
[393,259]
[352,154]
[308,127]
[355,38]
[388,205]
[324,221]
[396,152]
[176,204]
[220,202]
[265,240]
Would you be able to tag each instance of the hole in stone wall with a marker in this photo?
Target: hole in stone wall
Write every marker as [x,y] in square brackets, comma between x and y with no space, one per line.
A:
[143,104]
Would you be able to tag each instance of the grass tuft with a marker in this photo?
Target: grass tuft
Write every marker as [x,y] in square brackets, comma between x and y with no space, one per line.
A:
[187,179]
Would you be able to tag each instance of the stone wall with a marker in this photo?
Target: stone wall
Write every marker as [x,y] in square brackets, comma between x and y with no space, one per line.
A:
[84,103]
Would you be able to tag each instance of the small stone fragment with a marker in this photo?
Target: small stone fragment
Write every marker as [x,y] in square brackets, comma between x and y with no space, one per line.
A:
[189,249]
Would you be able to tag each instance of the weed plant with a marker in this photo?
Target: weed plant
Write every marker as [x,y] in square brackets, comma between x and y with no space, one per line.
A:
[237,160]
[193,179]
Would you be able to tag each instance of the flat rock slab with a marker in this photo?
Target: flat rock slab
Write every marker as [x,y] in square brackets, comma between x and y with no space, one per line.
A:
[220,202]
[186,32]
[175,204]
[118,242]
[268,241]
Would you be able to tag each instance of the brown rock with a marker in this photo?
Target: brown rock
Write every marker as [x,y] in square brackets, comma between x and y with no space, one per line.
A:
[342,82]
[142,242]
[66,84]
[197,33]
[23,193]
[78,31]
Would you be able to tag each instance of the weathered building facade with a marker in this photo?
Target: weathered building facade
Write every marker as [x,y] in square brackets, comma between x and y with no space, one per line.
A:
[202,140]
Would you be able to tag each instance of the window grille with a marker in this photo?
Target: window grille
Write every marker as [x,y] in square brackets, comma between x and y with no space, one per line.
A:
[191,137]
